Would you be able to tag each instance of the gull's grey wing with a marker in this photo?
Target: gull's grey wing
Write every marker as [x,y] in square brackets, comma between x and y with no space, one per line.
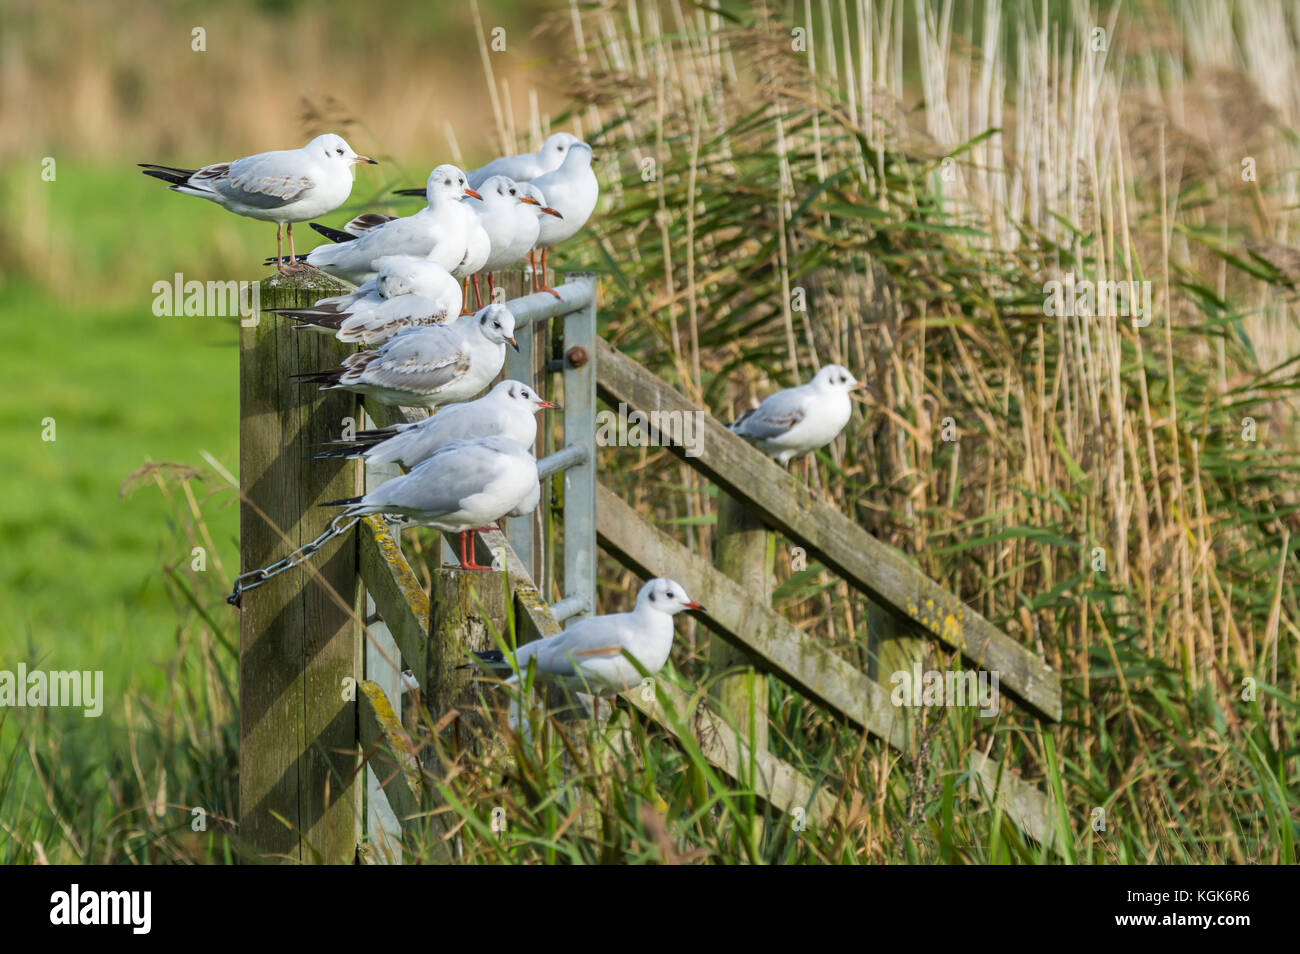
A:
[596,638]
[420,375]
[418,360]
[266,181]
[437,486]
[775,416]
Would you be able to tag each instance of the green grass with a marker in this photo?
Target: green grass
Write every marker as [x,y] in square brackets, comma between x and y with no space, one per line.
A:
[80,571]
[82,567]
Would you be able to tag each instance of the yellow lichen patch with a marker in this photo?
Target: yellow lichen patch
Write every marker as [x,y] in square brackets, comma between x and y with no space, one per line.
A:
[951,631]
[394,735]
[401,571]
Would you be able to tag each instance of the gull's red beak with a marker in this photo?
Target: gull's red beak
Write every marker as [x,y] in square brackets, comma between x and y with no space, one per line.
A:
[550,211]
[373,162]
[473,195]
[550,405]
[692,605]
[513,343]
[529,199]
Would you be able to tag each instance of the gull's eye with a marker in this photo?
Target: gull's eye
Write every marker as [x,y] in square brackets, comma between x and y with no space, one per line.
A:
[339,151]
[670,595]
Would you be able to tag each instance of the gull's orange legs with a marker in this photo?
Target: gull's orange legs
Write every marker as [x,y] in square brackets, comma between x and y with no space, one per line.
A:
[545,287]
[467,561]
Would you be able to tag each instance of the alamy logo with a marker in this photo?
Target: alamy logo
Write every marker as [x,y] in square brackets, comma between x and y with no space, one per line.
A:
[950,689]
[77,690]
[656,429]
[210,299]
[102,907]
[1087,299]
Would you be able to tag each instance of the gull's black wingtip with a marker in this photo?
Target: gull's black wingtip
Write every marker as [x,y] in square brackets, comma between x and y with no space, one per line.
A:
[343,502]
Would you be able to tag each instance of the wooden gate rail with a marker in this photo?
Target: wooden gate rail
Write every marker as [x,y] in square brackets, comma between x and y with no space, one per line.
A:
[873,567]
[299,744]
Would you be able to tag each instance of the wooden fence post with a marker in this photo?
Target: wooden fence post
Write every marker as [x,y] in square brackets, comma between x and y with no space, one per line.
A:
[892,646]
[744,554]
[300,638]
[464,607]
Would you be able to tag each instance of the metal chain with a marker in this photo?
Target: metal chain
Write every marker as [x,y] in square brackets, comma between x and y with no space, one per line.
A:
[255,578]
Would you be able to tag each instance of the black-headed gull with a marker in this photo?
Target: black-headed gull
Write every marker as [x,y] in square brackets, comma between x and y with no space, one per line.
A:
[588,655]
[408,292]
[478,247]
[509,410]
[428,367]
[510,214]
[284,187]
[440,232]
[799,420]
[573,190]
[464,486]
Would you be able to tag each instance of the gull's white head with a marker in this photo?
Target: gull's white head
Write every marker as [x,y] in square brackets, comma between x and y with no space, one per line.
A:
[499,191]
[335,149]
[665,596]
[834,377]
[497,322]
[447,182]
[408,275]
[555,149]
[579,156]
[531,195]
[520,395]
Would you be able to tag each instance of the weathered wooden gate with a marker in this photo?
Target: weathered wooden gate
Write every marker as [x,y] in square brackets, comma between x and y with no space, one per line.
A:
[322,648]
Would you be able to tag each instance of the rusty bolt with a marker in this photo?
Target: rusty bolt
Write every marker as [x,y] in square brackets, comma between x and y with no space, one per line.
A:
[576,356]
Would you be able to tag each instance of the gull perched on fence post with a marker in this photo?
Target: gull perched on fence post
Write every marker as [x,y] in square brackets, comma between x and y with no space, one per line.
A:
[408,292]
[284,187]
[573,190]
[440,231]
[426,367]
[462,487]
[511,215]
[509,410]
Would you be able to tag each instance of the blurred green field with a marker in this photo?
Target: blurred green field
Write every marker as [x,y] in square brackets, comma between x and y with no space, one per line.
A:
[81,568]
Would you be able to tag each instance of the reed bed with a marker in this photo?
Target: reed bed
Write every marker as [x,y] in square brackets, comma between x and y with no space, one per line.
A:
[892,193]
